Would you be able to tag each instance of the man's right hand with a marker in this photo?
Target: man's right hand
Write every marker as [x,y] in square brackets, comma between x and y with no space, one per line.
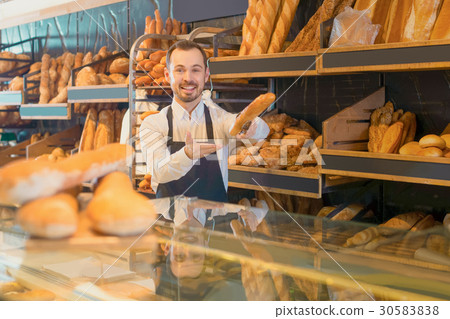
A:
[196,150]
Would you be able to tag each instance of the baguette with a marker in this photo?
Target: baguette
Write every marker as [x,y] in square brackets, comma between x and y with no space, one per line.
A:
[117,125]
[25,180]
[253,110]
[87,58]
[78,60]
[105,129]
[392,138]
[363,237]
[65,73]
[441,29]
[50,217]
[265,26]
[421,20]
[398,16]
[116,209]
[44,86]
[53,78]
[87,137]
[283,24]
[403,221]
[61,97]
[159,28]
[247,30]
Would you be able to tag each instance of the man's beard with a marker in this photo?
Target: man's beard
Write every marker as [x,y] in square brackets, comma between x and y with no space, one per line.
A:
[188,98]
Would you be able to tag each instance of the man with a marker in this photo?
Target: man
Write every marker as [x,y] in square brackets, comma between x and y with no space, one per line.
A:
[173,140]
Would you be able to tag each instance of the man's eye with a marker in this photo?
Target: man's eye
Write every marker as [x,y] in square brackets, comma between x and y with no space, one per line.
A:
[197,70]
[179,258]
[178,70]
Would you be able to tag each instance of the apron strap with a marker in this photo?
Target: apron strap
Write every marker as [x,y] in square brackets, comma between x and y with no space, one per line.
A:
[170,123]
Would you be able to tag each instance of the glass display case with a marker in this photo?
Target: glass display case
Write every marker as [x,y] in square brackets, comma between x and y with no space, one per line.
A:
[199,250]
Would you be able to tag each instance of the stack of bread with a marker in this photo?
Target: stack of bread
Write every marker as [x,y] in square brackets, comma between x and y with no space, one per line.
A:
[56,155]
[6,66]
[101,128]
[374,237]
[146,184]
[408,20]
[389,130]
[285,202]
[308,38]
[289,146]
[429,145]
[267,25]
[156,26]
[153,66]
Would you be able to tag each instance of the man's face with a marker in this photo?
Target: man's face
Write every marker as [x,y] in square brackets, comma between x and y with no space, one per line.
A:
[187,74]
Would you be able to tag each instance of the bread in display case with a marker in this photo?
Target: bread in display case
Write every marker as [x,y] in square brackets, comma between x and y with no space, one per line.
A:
[200,250]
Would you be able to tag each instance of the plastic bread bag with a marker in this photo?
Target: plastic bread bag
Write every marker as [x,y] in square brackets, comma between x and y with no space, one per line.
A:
[353,27]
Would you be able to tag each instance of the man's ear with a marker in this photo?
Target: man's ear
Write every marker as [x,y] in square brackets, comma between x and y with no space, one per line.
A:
[207,75]
[167,74]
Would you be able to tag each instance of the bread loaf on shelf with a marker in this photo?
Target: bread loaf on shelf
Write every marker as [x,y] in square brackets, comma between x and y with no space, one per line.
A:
[116,209]
[44,88]
[266,23]
[50,217]
[88,135]
[283,25]
[120,65]
[65,73]
[86,77]
[105,129]
[247,31]
[403,221]
[421,20]
[25,180]
[441,28]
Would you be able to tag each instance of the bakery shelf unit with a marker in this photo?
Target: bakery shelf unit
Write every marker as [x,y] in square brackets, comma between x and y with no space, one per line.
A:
[345,150]
[114,93]
[10,98]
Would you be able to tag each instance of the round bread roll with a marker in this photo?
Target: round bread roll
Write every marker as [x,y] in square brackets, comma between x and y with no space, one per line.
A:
[86,76]
[117,209]
[446,138]
[103,79]
[118,78]
[120,65]
[446,153]
[16,84]
[431,151]
[50,217]
[411,148]
[432,140]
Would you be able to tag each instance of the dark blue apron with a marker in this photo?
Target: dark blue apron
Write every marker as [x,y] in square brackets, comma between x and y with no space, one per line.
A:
[209,185]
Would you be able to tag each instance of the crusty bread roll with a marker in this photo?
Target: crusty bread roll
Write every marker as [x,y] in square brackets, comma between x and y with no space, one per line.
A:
[61,97]
[25,180]
[411,148]
[421,20]
[50,217]
[253,110]
[120,65]
[157,56]
[432,140]
[103,79]
[446,138]
[116,209]
[87,76]
[16,84]
[430,151]
[266,22]
[6,66]
[282,25]
[118,78]
[363,237]
[441,29]
[403,221]
[105,129]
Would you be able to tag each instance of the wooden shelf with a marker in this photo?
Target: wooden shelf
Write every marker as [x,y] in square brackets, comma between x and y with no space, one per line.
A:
[405,56]
[45,111]
[390,167]
[277,181]
[266,65]
[10,98]
[98,93]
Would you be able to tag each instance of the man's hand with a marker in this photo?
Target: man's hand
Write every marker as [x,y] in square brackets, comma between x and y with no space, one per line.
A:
[196,150]
[250,132]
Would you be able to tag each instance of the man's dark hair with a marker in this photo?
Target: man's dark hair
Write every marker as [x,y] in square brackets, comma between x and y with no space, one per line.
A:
[185,45]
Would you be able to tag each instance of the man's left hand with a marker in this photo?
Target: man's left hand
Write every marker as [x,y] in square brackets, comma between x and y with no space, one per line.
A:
[250,132]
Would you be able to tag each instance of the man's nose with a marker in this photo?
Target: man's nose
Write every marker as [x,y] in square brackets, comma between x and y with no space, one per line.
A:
[187,76]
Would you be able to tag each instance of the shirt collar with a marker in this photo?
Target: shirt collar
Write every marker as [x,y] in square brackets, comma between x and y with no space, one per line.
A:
[181,114]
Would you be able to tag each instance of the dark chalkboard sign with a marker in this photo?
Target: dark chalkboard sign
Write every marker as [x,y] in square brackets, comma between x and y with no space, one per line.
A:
[197,10]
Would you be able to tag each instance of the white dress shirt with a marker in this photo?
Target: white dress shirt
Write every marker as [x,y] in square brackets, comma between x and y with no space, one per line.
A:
[153,132]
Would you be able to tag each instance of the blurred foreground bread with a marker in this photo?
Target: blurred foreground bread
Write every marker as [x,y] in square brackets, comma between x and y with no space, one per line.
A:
[32,295]
[25,180]
[117,209]
[50,217]
[253,110]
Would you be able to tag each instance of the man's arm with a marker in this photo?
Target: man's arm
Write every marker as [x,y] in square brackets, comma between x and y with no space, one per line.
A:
[162,166]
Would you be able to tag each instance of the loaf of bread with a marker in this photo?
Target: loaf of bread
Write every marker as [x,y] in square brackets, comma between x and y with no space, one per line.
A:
[411,148]
[53,78]
[12,286]
[25,180]
[103,79]
[118,78]
[247,30]
[50,217]
[441,29]
[61,97]
[32,295]
[120,65]
[253,110]
[399,13]
[6,66]
[116,209]
[88,135]
[403,221]
[87,76]
[65,73]
[266,23]
[117,125]
[363,237]
[409,127]
[430,151]
[282,25]
[44,88]
[87,59]
[105,129]
[392,138]
[421,20]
